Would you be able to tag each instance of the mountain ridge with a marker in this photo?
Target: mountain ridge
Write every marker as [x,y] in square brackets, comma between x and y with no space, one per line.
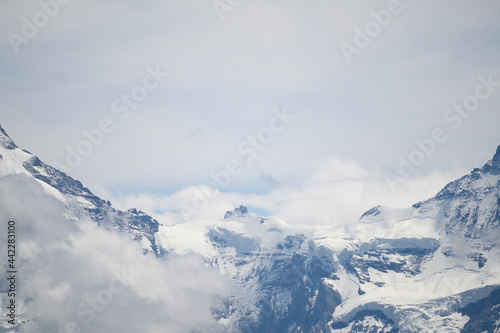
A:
[64,188]
[433,266]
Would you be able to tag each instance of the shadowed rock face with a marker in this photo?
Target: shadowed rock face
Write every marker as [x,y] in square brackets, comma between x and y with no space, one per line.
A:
[496,159]
[240,211]
[294,297]
[389,255]
[484,314]
[312,301]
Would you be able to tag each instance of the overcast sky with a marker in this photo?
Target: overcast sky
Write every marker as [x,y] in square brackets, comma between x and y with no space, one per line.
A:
[356,102]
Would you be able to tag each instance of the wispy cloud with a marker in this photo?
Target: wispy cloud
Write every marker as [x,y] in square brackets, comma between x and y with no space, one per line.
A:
[336,192]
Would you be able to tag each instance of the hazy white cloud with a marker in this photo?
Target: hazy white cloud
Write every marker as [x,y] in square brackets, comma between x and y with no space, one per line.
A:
[336,192]
[77,277]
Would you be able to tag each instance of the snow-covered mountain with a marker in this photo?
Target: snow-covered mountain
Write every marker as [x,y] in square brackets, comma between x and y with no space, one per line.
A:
[433,267]
[77,198]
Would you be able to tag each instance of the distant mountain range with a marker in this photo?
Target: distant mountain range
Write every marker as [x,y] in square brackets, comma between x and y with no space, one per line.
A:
[433,267]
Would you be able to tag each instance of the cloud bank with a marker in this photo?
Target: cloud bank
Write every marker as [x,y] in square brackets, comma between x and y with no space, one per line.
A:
[336,192]
[77,277]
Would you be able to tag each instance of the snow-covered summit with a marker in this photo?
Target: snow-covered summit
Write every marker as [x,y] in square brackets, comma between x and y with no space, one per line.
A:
[495,162]
[239,211]
[5,141]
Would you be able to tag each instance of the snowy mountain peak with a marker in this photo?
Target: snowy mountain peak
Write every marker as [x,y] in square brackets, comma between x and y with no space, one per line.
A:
[496,159]
[240,212]
[5,140]
[493,165]
[371,212]
[78,200]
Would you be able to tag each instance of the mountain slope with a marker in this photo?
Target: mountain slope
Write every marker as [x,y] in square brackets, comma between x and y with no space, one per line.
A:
[78,199]
[471,204]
